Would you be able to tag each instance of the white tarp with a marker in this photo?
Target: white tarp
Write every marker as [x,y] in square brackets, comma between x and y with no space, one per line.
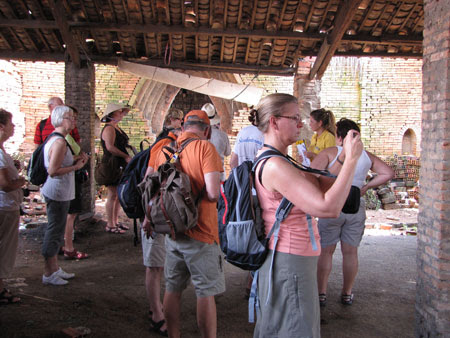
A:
[225,90]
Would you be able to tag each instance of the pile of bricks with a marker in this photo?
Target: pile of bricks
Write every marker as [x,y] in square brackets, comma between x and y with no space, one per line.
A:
[402,191]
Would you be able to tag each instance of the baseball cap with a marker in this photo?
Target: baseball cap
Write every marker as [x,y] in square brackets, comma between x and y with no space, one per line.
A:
[197,116]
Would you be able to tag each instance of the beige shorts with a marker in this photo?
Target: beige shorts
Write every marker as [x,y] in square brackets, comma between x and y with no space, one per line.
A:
[153,250]
[202,262]
[348,228]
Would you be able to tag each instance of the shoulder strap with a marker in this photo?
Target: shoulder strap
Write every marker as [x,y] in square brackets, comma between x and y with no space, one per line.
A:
[299,165]
[41,128]
[55,133]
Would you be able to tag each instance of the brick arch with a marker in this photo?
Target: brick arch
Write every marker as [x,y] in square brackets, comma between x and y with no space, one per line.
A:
[417,132]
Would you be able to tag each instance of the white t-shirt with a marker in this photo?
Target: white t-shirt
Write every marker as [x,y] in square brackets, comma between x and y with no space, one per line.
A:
[248,142]
[220,141]
[11,200]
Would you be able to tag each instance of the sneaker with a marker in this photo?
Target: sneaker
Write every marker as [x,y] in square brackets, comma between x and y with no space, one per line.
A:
[64,275]
[54,279]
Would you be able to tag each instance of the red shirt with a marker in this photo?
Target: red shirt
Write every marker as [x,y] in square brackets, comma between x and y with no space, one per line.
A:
[48,129]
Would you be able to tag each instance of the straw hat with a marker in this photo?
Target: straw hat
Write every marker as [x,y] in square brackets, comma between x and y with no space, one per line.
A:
[214,118]
[111,108]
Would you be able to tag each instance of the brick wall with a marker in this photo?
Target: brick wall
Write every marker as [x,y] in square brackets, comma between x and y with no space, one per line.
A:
[383,95]
[40,81]
[433,240]
[10,100]
[113,86]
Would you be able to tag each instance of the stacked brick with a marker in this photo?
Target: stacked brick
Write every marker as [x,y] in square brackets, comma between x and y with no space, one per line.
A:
[402,191]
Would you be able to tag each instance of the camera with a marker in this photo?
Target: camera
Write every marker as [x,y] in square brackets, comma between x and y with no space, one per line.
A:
[88,153]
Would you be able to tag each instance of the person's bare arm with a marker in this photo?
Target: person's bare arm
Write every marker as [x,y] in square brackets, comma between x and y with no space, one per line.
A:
[301,190]
[383,171]
[109,136]
[234,160]
[212,182]
[57,152]
[7,184]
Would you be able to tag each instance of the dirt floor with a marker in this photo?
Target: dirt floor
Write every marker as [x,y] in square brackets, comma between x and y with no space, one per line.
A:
[107,296]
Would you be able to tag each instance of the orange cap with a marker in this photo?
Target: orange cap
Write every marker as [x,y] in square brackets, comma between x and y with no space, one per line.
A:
[197,116]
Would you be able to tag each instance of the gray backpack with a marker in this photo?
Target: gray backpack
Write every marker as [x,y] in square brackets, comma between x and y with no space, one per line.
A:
[167,198]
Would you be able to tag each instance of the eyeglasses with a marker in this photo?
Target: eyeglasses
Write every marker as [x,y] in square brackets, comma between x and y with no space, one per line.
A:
[71,118]
[296,118]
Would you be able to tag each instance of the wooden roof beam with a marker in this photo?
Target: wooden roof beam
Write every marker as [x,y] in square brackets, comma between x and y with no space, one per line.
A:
[178,29]
[332,41]
[61,22]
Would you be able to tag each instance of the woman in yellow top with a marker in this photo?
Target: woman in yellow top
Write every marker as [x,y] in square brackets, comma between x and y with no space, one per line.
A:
[323,123]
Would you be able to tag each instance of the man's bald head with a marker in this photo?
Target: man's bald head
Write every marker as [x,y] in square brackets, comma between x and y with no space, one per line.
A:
[54,102]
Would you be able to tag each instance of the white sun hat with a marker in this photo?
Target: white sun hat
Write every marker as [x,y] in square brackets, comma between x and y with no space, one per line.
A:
[209,109]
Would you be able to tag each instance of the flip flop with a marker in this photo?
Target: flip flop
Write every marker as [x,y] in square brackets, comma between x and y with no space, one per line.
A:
[156,327]
[6,298]
[123,226]
[115,230]
[75,254]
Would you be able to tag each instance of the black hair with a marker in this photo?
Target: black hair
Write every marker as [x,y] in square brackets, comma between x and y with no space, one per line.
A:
[344,126]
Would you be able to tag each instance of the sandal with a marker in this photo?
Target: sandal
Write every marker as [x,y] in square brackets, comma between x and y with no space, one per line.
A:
[6,297]
[347,299]
[123,226]
[322,299]
[75,254]
[156,327]
[115,230]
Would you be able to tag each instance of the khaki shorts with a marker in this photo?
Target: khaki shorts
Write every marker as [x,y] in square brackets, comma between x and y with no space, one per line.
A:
[153,250]
[348,228]
[202,262]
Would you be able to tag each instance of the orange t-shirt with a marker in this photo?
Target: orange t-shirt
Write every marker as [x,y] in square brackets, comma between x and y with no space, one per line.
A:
[197,159]
[157,147]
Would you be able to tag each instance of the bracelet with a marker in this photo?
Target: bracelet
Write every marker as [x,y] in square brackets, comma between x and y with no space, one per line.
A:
[337,159]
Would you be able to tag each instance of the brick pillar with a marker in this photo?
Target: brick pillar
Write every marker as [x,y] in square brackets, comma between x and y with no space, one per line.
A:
[80,93]
[307,92]
[433,255]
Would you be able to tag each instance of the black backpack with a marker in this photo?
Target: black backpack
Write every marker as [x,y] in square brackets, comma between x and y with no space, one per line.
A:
[129,195]
[241,228]
[37,173]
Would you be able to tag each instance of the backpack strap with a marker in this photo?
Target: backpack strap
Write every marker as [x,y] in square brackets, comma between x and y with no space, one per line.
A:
[41,128]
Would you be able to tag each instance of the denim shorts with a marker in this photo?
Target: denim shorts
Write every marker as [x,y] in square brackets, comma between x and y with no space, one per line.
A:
[54,234]
[202,262]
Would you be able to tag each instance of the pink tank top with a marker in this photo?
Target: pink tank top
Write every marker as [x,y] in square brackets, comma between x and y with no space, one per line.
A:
[293,236]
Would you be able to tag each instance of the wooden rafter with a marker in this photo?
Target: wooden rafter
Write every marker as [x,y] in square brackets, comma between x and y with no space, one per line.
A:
[60,18]
[330,43]
[177,29]
[405,21]
[308,19]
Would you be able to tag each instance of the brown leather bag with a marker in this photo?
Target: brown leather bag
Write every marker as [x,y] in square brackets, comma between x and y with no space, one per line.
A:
[108,171]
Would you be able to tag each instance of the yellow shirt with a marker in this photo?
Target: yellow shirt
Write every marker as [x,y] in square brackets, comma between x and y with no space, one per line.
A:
[325,140]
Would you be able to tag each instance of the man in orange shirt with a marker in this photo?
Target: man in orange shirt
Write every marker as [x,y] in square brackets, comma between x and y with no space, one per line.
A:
[197,254]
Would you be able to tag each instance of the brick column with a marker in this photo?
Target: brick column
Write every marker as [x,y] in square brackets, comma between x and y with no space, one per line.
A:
[80,93]
[307,92]
[433,255]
